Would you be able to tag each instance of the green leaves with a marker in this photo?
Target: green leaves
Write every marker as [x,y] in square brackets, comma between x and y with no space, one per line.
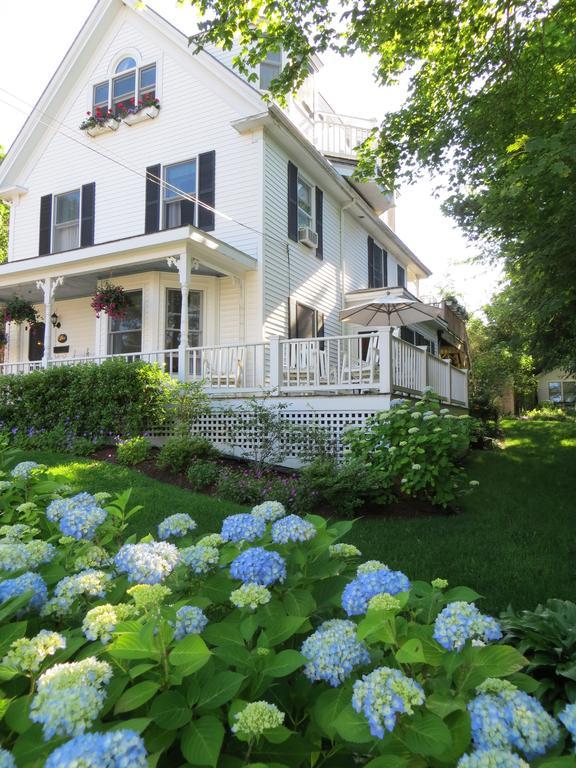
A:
[426,734]
[223,687]
[490,661]
[170,711]
[136,696]
[201,741]
[283,663]
[189,654]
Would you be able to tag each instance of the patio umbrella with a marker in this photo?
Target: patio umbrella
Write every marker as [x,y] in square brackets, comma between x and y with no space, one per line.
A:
[389,309]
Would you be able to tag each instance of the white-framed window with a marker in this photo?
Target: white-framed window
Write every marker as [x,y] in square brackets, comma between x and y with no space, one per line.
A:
[270,68]
[66,221]
[180,178]
[173,315]
[555,391]
[305,203]
[125,333]
[129,86]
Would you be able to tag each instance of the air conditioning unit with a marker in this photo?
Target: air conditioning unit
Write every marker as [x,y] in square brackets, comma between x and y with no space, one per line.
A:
[308,237]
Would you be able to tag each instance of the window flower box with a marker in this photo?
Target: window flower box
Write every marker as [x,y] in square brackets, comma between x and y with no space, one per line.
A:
[146,113]
[99,122]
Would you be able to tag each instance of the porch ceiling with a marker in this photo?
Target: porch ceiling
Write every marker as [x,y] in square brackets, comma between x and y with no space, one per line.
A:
[83,267]
[77,286]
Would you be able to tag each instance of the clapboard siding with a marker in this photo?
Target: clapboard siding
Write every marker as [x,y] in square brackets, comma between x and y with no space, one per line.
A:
[194,118]
[292,269]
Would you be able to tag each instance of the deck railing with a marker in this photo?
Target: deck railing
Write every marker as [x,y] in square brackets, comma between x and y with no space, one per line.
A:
[339,135]
[376,362]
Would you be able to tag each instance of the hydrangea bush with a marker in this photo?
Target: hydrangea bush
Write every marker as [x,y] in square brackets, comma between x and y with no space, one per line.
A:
[268,643]
[415,449]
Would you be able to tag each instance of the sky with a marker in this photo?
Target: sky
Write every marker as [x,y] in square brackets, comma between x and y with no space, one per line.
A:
[36,34]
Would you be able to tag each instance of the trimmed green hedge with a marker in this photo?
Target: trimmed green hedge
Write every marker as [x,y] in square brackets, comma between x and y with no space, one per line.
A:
[94,401]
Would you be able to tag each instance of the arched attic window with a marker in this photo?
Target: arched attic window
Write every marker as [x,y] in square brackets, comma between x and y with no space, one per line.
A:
[126,64]
[128,86]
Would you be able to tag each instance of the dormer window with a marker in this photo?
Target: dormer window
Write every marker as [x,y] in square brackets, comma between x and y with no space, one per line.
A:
[128,87]
[270,68]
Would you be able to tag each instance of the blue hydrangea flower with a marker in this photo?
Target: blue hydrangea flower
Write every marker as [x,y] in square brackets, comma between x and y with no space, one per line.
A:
[333,652]
[383,695]
[269,511]
[175,526]
[22,555]
[147,563]
[459,622]
[88,583]
[28,582]
[78,516]
[25,469]
[259,566]
[503,717]
[568,719]
[243,527]
[6,759]
[190,620]
[292,528]
[69,697]
[114,749]
[357,593]
[199,558]
[492,758]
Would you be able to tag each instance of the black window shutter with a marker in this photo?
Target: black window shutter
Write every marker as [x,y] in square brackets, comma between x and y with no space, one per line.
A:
[206,189]
[88,210]
[44,242]
[320,222]
[401,276]
[152,217]
[384,267]
[292,201]
[370,262]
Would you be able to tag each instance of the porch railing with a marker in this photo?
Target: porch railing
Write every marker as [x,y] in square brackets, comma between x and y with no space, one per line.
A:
[377,362]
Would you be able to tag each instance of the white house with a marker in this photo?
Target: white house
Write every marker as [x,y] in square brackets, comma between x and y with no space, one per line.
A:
[557,386]
[218,201]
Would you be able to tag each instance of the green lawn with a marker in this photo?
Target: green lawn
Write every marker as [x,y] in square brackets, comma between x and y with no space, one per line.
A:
[515,541]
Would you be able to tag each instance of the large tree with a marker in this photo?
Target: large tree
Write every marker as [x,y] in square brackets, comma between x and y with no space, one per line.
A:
[491,105]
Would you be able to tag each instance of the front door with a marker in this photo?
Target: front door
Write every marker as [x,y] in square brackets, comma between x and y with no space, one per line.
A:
[36,342]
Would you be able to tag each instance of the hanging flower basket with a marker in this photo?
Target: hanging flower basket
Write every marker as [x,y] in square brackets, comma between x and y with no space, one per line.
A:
[20,311]
[112,300]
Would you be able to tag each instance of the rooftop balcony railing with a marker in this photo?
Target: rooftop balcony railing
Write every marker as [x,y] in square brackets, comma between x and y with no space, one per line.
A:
[340,135]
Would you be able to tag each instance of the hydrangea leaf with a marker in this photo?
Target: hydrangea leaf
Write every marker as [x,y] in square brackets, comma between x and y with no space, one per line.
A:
[190,654]
[379,625]
[136,696]
[132,646]
[31,749]
[387,761]
[426,734]
[221,688]
[411,652]
[490,661]
[465,594]
[170,710]
[136,724]
[283,628]
[278,735]
[201,741]
[223,633]
[11,632]
[17,717]
[328,707]
[234,655]
[352,727]
[283,663]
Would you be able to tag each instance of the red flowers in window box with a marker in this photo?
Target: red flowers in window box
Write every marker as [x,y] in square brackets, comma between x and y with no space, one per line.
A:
[99,118]
[112,300]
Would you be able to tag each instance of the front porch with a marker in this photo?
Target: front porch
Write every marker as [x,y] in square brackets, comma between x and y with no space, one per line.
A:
[378,363]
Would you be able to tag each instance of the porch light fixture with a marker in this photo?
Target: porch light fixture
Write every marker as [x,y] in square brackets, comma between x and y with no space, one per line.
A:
[54,319]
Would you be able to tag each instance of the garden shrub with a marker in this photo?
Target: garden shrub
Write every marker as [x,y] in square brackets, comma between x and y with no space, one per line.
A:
[253,485]
[546,636]
[340,487]
[547,412]
[415,447]
[267,644]
[202,474]
[132,451]
[93,401]
[178,452]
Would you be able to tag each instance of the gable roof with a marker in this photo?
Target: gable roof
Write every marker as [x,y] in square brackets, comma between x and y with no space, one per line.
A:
[93,31]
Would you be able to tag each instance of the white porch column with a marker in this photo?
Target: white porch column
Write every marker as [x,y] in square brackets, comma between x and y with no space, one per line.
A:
[184,263]
[48,287]
[386,360]
[423,382]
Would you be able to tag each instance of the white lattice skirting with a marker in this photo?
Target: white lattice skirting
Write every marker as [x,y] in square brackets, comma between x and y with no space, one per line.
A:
[335,415]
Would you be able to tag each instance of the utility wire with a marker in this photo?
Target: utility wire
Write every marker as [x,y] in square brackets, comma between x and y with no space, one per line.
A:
[162,183]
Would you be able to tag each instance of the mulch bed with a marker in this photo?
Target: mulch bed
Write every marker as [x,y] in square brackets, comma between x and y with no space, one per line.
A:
[405,507]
